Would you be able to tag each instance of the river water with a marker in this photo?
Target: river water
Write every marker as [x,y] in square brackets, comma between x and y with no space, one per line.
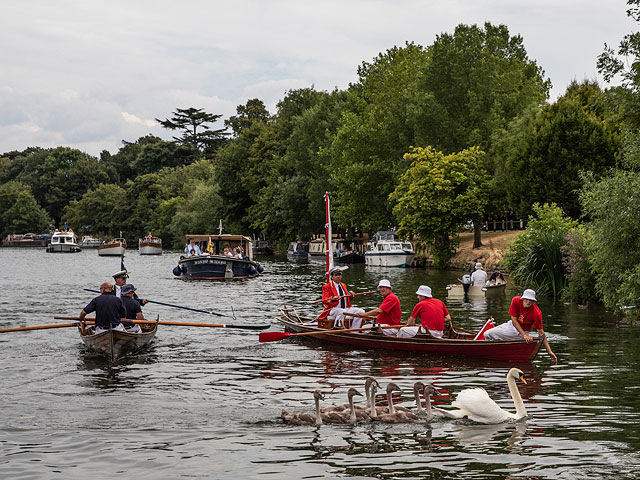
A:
[205,402]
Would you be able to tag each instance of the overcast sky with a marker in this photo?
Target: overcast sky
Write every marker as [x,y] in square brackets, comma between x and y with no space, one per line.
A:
[89,74]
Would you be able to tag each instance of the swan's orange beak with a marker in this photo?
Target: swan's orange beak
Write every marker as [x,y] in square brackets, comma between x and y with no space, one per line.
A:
[524,380]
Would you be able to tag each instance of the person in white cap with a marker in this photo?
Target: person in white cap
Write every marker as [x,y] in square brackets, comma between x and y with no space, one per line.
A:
[432,314]
[479,276]
[389,312]
[525,315]
[336,298]
[120,280]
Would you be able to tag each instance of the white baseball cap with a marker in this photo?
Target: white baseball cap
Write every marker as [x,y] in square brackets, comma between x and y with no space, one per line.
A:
[424,291]
[384,283]
[529,294]
[478,265]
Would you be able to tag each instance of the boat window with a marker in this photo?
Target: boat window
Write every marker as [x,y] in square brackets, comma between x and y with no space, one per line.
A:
[407,246]
[386,247]
[396,246]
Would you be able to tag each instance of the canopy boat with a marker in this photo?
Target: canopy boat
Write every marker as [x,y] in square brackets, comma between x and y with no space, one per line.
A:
[346,253]
[113,248]
[150,245]
[457,342]
[298,252]
[63,242]
[262,247]
[90,242]
[113,343]
[386,250]
[214,264]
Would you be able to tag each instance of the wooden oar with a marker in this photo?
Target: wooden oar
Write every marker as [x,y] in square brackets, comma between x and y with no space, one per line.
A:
[38,327]
[181,324]
[344,296]
[177,306]
[275,336]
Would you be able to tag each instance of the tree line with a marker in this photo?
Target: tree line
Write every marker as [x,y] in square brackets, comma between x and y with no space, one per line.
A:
[425,140]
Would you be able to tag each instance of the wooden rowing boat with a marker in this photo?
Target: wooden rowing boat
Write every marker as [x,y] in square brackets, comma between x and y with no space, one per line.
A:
[458,342]
[113,343]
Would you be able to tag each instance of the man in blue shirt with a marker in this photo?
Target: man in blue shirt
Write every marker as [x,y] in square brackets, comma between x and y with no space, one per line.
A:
[110,311]
[192,248]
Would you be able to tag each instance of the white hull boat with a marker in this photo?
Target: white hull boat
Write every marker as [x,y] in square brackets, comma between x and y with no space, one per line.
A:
[150,246]
[63,242]
[386,250]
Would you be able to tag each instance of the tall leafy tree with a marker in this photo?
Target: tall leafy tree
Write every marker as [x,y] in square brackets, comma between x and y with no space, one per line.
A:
[193,124]
[437,194]
[246,115]
[539,157]
[19,211]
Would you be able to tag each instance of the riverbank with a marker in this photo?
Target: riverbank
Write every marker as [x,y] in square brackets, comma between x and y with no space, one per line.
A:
[491,253]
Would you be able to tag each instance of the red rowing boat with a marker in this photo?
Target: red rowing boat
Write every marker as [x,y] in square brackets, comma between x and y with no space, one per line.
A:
[457,342]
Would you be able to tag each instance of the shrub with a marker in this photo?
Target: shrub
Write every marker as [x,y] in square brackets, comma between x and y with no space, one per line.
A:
[581,281]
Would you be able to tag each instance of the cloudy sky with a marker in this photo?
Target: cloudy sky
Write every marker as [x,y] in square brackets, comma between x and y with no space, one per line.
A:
[91,73]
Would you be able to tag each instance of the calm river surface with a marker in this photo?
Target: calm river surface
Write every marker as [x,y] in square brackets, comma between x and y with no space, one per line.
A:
[205,402]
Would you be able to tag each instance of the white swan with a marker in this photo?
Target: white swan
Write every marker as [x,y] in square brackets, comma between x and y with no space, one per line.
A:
[305,418]
[475,404]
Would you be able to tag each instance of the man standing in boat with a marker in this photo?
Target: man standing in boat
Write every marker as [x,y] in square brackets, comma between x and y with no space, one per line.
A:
[110,311]
[192,248]
[431,312]
[337,300]
[132,307]
[525,315]
[389,312]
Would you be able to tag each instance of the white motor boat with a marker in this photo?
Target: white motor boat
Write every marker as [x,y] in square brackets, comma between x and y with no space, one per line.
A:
[90,242]
[386,250]
[63,242]
[150,245]
[115,248]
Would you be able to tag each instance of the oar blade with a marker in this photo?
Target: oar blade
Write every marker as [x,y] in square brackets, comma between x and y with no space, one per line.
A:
[273,336]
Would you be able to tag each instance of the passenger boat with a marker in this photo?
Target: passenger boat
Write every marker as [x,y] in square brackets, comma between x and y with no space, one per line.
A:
[317,250]
[113,248]
[386,250]
[113,343]
[90,242]
[213,264]
[63,242]
[348,254]
[26,240]
[150,245]
[457,342]
[298,252]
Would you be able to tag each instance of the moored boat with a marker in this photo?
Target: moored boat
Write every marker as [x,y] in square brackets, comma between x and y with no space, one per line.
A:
[150,245]
[214,263]
[457,342]
[115,247]
[262,247]
[63,242]
[114,343]
[347,254]
[457,290]
[26,240]
[298,252]
[89,241]
[317,250]
[386,250]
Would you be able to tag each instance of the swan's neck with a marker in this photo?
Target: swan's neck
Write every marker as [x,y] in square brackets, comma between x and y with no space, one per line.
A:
[318,415]
[521,411]
[416,393]
[352,417]
[374,413]
[392,410]
[367,390]
[428,405]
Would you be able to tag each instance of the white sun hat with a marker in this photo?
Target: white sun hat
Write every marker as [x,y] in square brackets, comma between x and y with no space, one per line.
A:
[478,265]
[424,291]
[384,283]
[529,294]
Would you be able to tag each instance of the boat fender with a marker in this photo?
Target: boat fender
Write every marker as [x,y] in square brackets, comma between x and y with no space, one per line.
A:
[260,268]
[252,270]
[177,271]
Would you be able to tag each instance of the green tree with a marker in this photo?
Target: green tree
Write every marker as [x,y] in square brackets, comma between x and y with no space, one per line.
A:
[437,194]
[194,128]
[540,156]
[100,211]
[19,211]
[253,111]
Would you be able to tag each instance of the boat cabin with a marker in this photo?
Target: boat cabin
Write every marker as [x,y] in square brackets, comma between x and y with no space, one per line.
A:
[215,244]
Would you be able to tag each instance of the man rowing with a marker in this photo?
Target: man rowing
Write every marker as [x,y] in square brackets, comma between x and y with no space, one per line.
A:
[110,311]
[132,307]
[337,300]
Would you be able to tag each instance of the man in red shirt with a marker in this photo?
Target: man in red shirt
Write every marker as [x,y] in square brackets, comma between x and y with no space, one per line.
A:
[337,299]
[525,315]
[389,312]
[432,314]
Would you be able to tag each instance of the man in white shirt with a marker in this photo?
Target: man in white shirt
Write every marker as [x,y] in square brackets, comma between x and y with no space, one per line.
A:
[479,277]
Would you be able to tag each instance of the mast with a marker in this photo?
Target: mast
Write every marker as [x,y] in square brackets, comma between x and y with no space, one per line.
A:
[328,235]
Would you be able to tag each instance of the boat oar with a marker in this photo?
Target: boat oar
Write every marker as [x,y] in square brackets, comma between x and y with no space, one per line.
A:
[177,306]
[181,324]
[343,296]
[38,327]
[275,336]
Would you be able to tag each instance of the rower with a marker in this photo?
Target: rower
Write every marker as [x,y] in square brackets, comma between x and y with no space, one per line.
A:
[109,310]
[132,306]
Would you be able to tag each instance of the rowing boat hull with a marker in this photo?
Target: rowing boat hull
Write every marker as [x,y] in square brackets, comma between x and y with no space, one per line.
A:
[114,343]
[464,345]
